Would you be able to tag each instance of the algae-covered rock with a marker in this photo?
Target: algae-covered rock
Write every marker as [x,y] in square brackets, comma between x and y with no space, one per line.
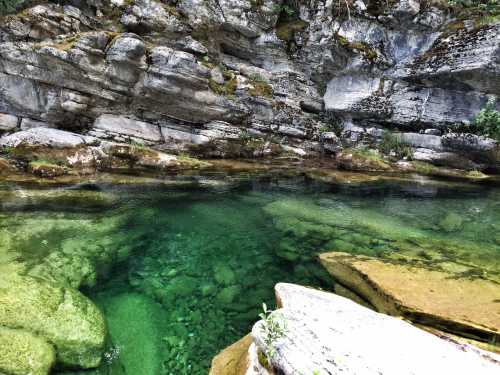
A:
[224,275]
[22,353]
[135,324]
[74,250]
[227,295]
[62,316]
[464,306]
[451,222]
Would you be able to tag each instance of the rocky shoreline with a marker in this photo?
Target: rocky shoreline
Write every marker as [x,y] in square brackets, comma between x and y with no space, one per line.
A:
[370,91]
[315,341]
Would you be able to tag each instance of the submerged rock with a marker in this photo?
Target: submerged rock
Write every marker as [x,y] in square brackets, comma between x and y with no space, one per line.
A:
[62,316]
[22,352]
[329,334]
[136,325]
[451,222]
[464,306]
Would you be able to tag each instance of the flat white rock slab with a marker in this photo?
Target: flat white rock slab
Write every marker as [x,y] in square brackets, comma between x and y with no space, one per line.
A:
[329,334]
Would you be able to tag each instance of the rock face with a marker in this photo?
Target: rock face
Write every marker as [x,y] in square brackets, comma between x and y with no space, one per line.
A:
[430,297]
[250,79]
[53,152]
[340,336]
[232,360]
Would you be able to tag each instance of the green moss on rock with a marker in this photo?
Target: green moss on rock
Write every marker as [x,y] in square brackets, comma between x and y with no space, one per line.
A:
[62,316]
[356,46]
[139,344]
[24,353]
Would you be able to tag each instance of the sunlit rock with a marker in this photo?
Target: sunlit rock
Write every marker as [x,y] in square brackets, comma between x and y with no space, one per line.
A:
[435,298]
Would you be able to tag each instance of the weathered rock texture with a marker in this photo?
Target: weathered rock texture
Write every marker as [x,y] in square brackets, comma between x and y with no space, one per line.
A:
[251,78]
[329,334]
[233,360]
[430,297]
[53,315]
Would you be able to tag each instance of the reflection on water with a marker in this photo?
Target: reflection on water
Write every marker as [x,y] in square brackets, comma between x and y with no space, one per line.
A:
[180,270]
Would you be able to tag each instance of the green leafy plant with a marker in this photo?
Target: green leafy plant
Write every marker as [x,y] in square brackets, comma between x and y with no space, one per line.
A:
[392,144]
[481,7]
[284,8]
[9,6]
[273,328]
[487,121]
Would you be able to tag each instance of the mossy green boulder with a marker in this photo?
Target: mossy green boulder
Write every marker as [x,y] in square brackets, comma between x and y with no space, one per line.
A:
[22,353]
[135,324]
[62,316]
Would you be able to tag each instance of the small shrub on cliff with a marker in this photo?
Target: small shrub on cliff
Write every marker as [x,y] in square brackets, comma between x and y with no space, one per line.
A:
[393,145]
[9,6]
[273,328]
[476,7]
[487,121]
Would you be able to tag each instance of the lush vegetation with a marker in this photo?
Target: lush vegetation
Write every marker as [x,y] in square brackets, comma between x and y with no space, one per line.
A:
[392,144]
[476,7]
[7,6]
[273,328]
[487,121]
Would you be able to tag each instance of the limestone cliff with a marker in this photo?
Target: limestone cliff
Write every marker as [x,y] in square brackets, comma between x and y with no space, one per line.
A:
[250,78]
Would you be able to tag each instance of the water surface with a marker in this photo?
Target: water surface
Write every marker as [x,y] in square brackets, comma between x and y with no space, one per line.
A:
[180,269]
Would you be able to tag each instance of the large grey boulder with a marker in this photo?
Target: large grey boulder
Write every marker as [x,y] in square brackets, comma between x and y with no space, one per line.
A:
[40,136]
[329,334]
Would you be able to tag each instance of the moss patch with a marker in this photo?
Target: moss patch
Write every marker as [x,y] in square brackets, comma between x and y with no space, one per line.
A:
[286,31]
[226,89]
[62,316]
[23,353]
[45,168]
[360,47]
[260,88]
[138,345]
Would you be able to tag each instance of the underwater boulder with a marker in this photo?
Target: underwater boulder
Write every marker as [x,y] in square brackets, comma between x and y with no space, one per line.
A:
[224,275]
[22,352]
[451,222]
[135,329]
[62,316]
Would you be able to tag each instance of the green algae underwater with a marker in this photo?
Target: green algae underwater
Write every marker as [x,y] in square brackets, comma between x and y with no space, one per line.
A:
[180,268]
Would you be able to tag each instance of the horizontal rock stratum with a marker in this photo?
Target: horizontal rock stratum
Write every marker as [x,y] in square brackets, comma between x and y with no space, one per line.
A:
[468,307]
[225,78]
[329,334]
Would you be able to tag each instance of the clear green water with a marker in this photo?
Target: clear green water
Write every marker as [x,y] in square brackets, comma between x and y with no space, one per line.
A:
[180,270]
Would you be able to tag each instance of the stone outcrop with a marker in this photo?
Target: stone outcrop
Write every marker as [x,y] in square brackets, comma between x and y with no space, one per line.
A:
[233,360]
[430,297]
[337,335]
[53,152]
[62,317]
[250,79]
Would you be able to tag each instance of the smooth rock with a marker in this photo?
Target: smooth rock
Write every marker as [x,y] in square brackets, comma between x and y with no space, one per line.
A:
[329,334]
[233,360]
[8,122]
[42,137]
[123,126]
[464,306]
